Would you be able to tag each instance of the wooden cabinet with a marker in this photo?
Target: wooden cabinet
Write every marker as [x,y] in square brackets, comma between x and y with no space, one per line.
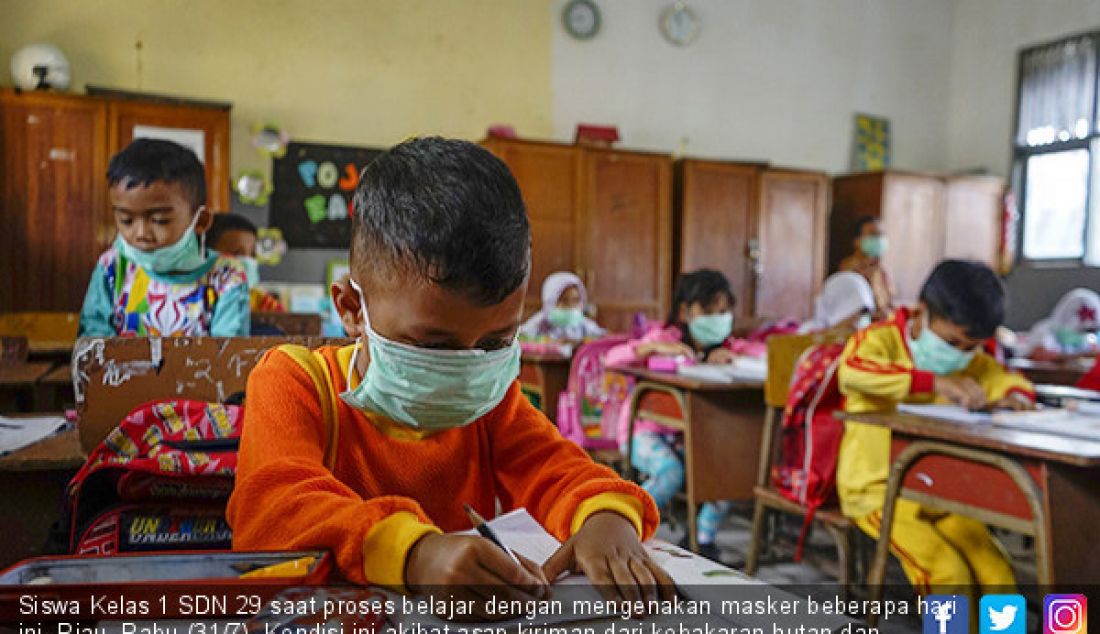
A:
[53,192]
[764,228]
[603,214]
[926,218]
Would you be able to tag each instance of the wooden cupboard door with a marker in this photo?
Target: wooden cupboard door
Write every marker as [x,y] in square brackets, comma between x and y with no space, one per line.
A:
[626,233]
[715,206]
[211,122]
[973,217]
[792,234]
[547,177]
[912,218]
[53,200]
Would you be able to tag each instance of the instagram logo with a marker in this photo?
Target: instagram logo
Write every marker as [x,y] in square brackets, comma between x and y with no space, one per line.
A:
[1065,614]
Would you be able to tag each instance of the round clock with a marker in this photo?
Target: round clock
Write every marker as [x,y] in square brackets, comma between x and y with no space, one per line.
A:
[581,19]
[679,24]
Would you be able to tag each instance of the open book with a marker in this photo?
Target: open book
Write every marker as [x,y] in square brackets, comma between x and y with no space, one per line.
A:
[1084,423]
[742,369]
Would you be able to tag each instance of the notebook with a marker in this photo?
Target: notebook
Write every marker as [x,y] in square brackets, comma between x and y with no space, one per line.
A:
[742,369]
[16,433]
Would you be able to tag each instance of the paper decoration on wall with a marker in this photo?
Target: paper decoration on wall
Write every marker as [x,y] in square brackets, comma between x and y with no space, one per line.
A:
[314,187]
[252,187]
[871,147]
[270,246]
[270,140]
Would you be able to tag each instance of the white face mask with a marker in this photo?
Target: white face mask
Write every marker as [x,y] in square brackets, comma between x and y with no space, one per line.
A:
[184,255]
[430,389]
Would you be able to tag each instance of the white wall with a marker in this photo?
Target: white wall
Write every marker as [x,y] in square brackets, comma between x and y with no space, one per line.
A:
[766,79]
[988,35]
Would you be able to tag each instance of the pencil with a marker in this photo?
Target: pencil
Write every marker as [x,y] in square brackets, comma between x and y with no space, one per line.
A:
[487,532]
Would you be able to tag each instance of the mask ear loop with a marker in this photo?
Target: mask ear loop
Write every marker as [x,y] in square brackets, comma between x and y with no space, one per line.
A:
[202,236]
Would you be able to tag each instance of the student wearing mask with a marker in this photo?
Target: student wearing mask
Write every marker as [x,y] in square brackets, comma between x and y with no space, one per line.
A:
[1070,331]
[844,305]
[235,236]
[869,244]
[562,316]
[159,278]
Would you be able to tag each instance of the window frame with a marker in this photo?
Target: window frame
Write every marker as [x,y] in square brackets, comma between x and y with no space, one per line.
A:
[1021,154]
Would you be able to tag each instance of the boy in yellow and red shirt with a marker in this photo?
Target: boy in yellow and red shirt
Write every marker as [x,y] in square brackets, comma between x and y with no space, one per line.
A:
[428,412]
[930,353]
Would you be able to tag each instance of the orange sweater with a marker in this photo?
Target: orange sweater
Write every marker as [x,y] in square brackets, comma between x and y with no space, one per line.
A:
[391,485]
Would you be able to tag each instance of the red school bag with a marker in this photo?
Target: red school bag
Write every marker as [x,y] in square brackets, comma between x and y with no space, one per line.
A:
[805,471]
[159,481]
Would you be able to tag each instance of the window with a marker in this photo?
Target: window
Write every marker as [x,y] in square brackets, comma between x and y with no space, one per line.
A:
[1057,151]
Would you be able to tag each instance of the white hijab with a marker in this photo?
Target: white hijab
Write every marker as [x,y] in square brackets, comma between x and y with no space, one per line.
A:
[1078,310]
[556,284]
[843,295]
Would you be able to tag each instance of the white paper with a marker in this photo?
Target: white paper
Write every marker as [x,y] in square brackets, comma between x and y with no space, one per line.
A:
[948,412]
[192,139]
[16,433]
[1056,422]
[742,369]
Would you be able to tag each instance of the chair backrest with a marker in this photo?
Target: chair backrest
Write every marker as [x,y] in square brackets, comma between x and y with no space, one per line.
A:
[112,376]
[40,326]
[783,354]
[13,349]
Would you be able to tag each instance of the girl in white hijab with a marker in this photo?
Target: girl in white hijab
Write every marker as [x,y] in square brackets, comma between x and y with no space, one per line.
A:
[1070,331]
[846,301]
[562,316]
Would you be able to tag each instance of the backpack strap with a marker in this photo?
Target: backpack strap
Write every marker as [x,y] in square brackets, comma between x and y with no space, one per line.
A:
[317,368]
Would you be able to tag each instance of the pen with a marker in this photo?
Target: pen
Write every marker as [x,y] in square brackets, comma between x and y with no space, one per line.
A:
[487,532]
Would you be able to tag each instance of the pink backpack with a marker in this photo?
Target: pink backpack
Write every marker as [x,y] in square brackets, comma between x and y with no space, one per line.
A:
[588,407]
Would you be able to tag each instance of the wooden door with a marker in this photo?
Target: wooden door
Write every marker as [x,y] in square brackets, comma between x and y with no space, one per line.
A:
[210,125]
[626,234]
[791,233]
[854,196]
[912,219]
[714,205]
[972,222]
[547,177]
[53,199]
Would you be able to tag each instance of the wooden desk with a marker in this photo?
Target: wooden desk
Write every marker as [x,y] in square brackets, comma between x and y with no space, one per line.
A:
[1056,373]
[32,483]
[547,376]
[1037,484]
[21,379]
[722,425]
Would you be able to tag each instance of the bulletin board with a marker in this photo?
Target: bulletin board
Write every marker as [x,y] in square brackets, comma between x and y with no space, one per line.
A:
[314,186]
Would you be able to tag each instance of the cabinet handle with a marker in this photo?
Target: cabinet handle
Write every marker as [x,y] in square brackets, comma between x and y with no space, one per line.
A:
[756,264]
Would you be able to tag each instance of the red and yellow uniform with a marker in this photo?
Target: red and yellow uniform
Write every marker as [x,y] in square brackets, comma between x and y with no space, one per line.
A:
[391,484]
[260,301]
[935,549]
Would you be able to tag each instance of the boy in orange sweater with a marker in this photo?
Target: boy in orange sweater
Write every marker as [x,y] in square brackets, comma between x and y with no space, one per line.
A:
[371,450]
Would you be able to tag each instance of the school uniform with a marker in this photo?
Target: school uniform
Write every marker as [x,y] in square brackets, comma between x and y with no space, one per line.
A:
[935,548]
[390,484]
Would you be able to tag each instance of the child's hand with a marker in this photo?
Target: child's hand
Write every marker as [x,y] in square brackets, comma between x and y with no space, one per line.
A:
[473,563]
[1016,402]
[720,355]
[962,390]
[606,549]
[664,348]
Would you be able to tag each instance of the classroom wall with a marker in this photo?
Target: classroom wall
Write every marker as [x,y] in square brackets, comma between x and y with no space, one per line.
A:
[987,36]
[766,79]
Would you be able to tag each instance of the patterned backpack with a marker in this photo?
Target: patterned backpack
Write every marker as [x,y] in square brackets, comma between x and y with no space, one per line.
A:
[588,408]
[159,481]
[805,471]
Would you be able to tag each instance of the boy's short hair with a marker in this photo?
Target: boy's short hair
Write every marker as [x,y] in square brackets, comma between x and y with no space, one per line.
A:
[446,210]
[863,221]
[147,160]
[703,286]
[228,222]
[966,293]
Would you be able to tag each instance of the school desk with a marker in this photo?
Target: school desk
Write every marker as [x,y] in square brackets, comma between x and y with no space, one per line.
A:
[1052,372]
[21,379]
[32,482]
[545,375]
[1037,484]
[56,388]
[722,425]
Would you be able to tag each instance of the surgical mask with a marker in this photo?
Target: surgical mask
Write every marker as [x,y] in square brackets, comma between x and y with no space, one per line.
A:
[873,246]
[251,269]
[932,354]
[184,255]
[565,317]
[711,330]
[1071,339]
[430,389]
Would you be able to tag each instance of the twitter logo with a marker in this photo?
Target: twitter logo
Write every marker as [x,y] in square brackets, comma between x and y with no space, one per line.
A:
[1003,614]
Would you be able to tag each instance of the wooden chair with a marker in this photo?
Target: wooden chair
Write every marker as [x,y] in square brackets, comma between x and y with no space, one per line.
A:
[784,352]
[46,332]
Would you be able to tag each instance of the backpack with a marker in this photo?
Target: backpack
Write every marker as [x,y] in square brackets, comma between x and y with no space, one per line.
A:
[162,478]
[159,481]
[588,407]
[805,470]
